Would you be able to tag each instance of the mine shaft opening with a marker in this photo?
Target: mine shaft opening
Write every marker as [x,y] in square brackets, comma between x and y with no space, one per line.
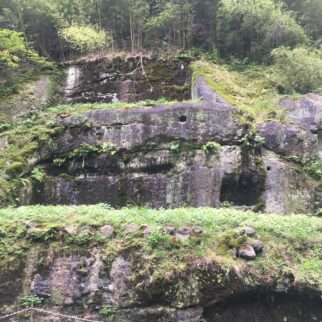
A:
[241,190]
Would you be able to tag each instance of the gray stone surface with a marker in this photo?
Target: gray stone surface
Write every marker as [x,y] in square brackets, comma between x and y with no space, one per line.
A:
[305,111]
[258,246]
[247,252]
[123,281]
[249,231]
[202,91]
[288,189]
[289,140]
[107,230]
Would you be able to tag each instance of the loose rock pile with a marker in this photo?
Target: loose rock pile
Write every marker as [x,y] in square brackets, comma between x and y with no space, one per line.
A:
[252,247]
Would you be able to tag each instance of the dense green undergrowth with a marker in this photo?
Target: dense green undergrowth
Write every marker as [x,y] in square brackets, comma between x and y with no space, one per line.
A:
[292,244]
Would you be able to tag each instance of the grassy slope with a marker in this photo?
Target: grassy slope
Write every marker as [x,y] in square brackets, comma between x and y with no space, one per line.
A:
[292,244]
[251,89]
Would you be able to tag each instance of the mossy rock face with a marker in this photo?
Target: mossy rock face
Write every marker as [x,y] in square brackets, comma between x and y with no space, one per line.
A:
[128,80]
[156,149]
[165,155]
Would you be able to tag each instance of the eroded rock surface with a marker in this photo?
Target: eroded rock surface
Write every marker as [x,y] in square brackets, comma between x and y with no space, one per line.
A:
[306,111]
[289,140]
[132,293]
[145,168]
[288,188]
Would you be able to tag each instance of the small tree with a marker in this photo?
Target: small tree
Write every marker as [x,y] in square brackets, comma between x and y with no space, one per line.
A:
[13,49]
[85,38]
[299,69]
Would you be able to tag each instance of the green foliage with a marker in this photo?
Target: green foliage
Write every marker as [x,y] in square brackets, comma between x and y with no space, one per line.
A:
[80,240]
[249,89]
[15,167]
[174,21]
[14,53]
[4,127]
[84,37]
[211,146]
[85,150]
[299,69]
[107,310]
[38,174]
[253,28]
[259,140]
[76,108]
[13,48]
[175,146]
[159,240]
[227,204]
[31,300]
[42,234]
[240,28]
[314,168]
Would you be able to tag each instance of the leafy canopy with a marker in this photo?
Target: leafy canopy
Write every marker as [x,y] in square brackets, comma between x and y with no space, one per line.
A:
[12,45]
[299,69]
[85,37]
[252,29]
[13,49]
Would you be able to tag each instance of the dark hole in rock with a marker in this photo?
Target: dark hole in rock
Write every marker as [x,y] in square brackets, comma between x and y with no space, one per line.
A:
[183,119]
[243,189]
[267,307]
[268,168]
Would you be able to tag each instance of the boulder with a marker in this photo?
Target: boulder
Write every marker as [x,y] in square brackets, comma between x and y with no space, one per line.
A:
[171,230]
[258,246]
[147,229]
[247,252]
[71,229]
[131,228]
[249,231]
[184,233]
[288,189]
[305,111]
[289,140]
[107,231]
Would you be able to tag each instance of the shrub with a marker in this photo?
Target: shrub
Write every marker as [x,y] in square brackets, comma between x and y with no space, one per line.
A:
[85,37]
[314,169]
[31,300]
[38,174]
[211,146]
[299,69]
